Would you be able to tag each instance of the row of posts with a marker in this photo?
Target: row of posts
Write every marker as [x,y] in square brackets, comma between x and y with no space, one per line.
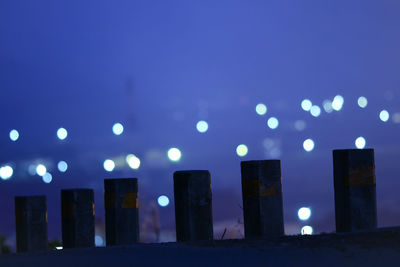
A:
[355,205]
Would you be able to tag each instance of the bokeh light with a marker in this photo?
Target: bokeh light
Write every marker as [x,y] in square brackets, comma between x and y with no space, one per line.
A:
[384,115]
[109,165]
[396,117]
[308,145]
[360,142]
[362,102]
[242,150]
[327,105]
[62,166]
[315,111]
[304,213]
[307,230]
[261,109]
[300,125]
[6,172]
[273,123]
[62,133]
[118,128]
[133,161]
[98,241]
[306,104]
[47,178]
[202,126]
[174,154]
[163,201]
[337,102]
[41,170]
[14,135]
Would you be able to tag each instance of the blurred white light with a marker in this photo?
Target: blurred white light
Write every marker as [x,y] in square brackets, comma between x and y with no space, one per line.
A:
[62,133]
[304,213]
[306,104]
[315,111]
[47,178]
[396,117]
[62,166]
[174,154]
[6,172]
[202,126]
[242,150]
[384,115]
[261,109]
[307,230]
[118,128]
[362,102]
[327,105]
[133,161]
[360,142]
[109,165]
[32,169]
[41,170]
[273,123]
[59,248]
[300,125]
[14,135]
[163,201]
[98,241]
[308,145]
[337,102]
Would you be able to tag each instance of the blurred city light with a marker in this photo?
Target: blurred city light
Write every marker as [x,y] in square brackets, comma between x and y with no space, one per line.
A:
[62,133]
[307,230]
[133,161]
[396,117]
[384,115]
[306,104]
[174,154]
[308,145]
[32,169]
[98,241]
[273,123]
[327,105]
[62,166]
[300,125]
[14,135]
[163,201]
[41,170]
[6,172]
[337,102]
[109,165]
[202,126]
[304,213]
[362,102]
[47,178]
[242,150]
[261,109]
[360,142]
[118,128]
[315,111]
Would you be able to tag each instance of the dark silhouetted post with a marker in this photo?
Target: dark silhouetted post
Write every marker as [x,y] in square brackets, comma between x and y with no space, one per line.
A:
[355,189]
[262,199]
[31,223]
[77,218]
[122,217]
[193,205]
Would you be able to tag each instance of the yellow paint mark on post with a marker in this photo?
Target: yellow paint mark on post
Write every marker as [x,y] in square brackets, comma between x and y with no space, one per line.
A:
[255,188]
[361,176]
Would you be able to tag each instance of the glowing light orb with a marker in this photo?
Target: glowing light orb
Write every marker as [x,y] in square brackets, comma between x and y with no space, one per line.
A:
[327,105]
[6,172]
[273,123]
[109,165]
[133,161]
[360,142]
[62,166]
[315,111]
[174,154]
[98,241]
[163,201]
[304,213]
[307,230]
[62,133]
[384,115]
[337,102]
[41,170]
[242,150]
[202,126]
[14,135]
[308,145]
[47,178]
[118,128]
[306,104]
[362,102]
[300,125]
[261,109]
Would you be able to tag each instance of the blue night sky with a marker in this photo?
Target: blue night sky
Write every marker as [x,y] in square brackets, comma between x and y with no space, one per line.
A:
[159,67]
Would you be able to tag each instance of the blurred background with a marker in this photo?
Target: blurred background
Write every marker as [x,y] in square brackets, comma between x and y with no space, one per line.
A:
[109,89]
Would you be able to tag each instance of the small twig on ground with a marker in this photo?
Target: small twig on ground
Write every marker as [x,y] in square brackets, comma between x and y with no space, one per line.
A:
[223,234]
